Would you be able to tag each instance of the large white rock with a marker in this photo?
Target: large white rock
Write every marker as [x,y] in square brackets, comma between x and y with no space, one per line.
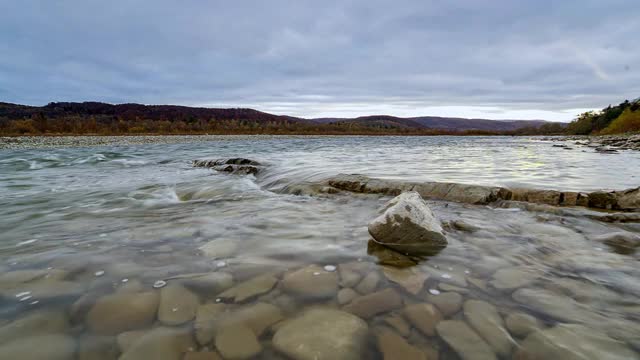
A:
[409,226]
[322,334]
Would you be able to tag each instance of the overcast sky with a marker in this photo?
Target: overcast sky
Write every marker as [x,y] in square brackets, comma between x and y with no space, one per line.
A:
[498,59]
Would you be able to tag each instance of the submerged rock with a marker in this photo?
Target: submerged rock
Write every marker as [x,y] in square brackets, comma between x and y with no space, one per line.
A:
[251,288]
[115,313]
[484,318]
[33,324]
[312,281]
[392,346]
[177,305]
[521,325]
[376,303]
[573,342]
[44,347]
[409,226]
[205,322]
[424,317]
[621,242]
[410,279]
[464,341]
[448,303]
[322,334]
[237,342]
[160,344]
[97,348]
[514,277]
[388,256]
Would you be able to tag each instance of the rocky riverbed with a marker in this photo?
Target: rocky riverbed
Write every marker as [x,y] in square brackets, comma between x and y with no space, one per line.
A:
[232,263]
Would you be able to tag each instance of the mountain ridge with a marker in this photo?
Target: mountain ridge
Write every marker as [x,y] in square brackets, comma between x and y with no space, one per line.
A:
[133,111]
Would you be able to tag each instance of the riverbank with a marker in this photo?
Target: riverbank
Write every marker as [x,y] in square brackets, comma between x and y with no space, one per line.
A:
[602,143]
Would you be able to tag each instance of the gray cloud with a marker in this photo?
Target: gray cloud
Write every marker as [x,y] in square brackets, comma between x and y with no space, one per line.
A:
[324,58]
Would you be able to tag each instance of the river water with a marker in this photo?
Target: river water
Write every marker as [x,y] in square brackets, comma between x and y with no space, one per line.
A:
[87,231]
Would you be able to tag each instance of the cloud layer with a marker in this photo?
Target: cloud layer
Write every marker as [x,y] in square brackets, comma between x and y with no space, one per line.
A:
[497,58]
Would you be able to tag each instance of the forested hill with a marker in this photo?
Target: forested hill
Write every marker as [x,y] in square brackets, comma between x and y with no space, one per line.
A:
[621,118]
[102,118]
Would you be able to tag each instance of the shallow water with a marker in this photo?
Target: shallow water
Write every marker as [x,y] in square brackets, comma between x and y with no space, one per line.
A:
[81,223]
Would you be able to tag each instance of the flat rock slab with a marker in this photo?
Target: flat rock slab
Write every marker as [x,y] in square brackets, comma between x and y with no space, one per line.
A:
[322,334]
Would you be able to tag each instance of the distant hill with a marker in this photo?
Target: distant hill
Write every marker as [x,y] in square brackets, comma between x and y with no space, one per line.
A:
[437,122]
[103,118]
[56,110]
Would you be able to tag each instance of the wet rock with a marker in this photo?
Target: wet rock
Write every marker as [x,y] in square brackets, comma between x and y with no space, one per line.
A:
[128,338]
[424,317]
[210,284]
[448,303]
[629,200]
[452,288]
[349,274]
[572,342]
[43,347]
[387,256]
[177,305]
[376,303]
[219,249]
[521,325]
[557,306]
[464,341]
[369,283]
[549,197]
[470,194]
[464,226]
[160,344]
[251,288]
[603,200]
[237,342]
[116,313]
[621,242]
[411,279]
[311,282]
[48,289]
[202,355]
[346,295]
[34,324]
[98,348]
[205,323]
[514,277]
[408,226]
[235,165]
[392,346]
[258,317]
[399,324]
[485,320]
[322,334]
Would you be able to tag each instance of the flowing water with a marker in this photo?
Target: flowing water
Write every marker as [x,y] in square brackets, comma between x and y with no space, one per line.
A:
[84,228]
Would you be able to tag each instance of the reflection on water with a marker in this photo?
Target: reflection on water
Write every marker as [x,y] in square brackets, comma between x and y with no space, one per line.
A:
[87,232]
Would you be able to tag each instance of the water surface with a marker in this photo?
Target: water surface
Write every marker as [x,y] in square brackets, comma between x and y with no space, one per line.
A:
[94,219]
